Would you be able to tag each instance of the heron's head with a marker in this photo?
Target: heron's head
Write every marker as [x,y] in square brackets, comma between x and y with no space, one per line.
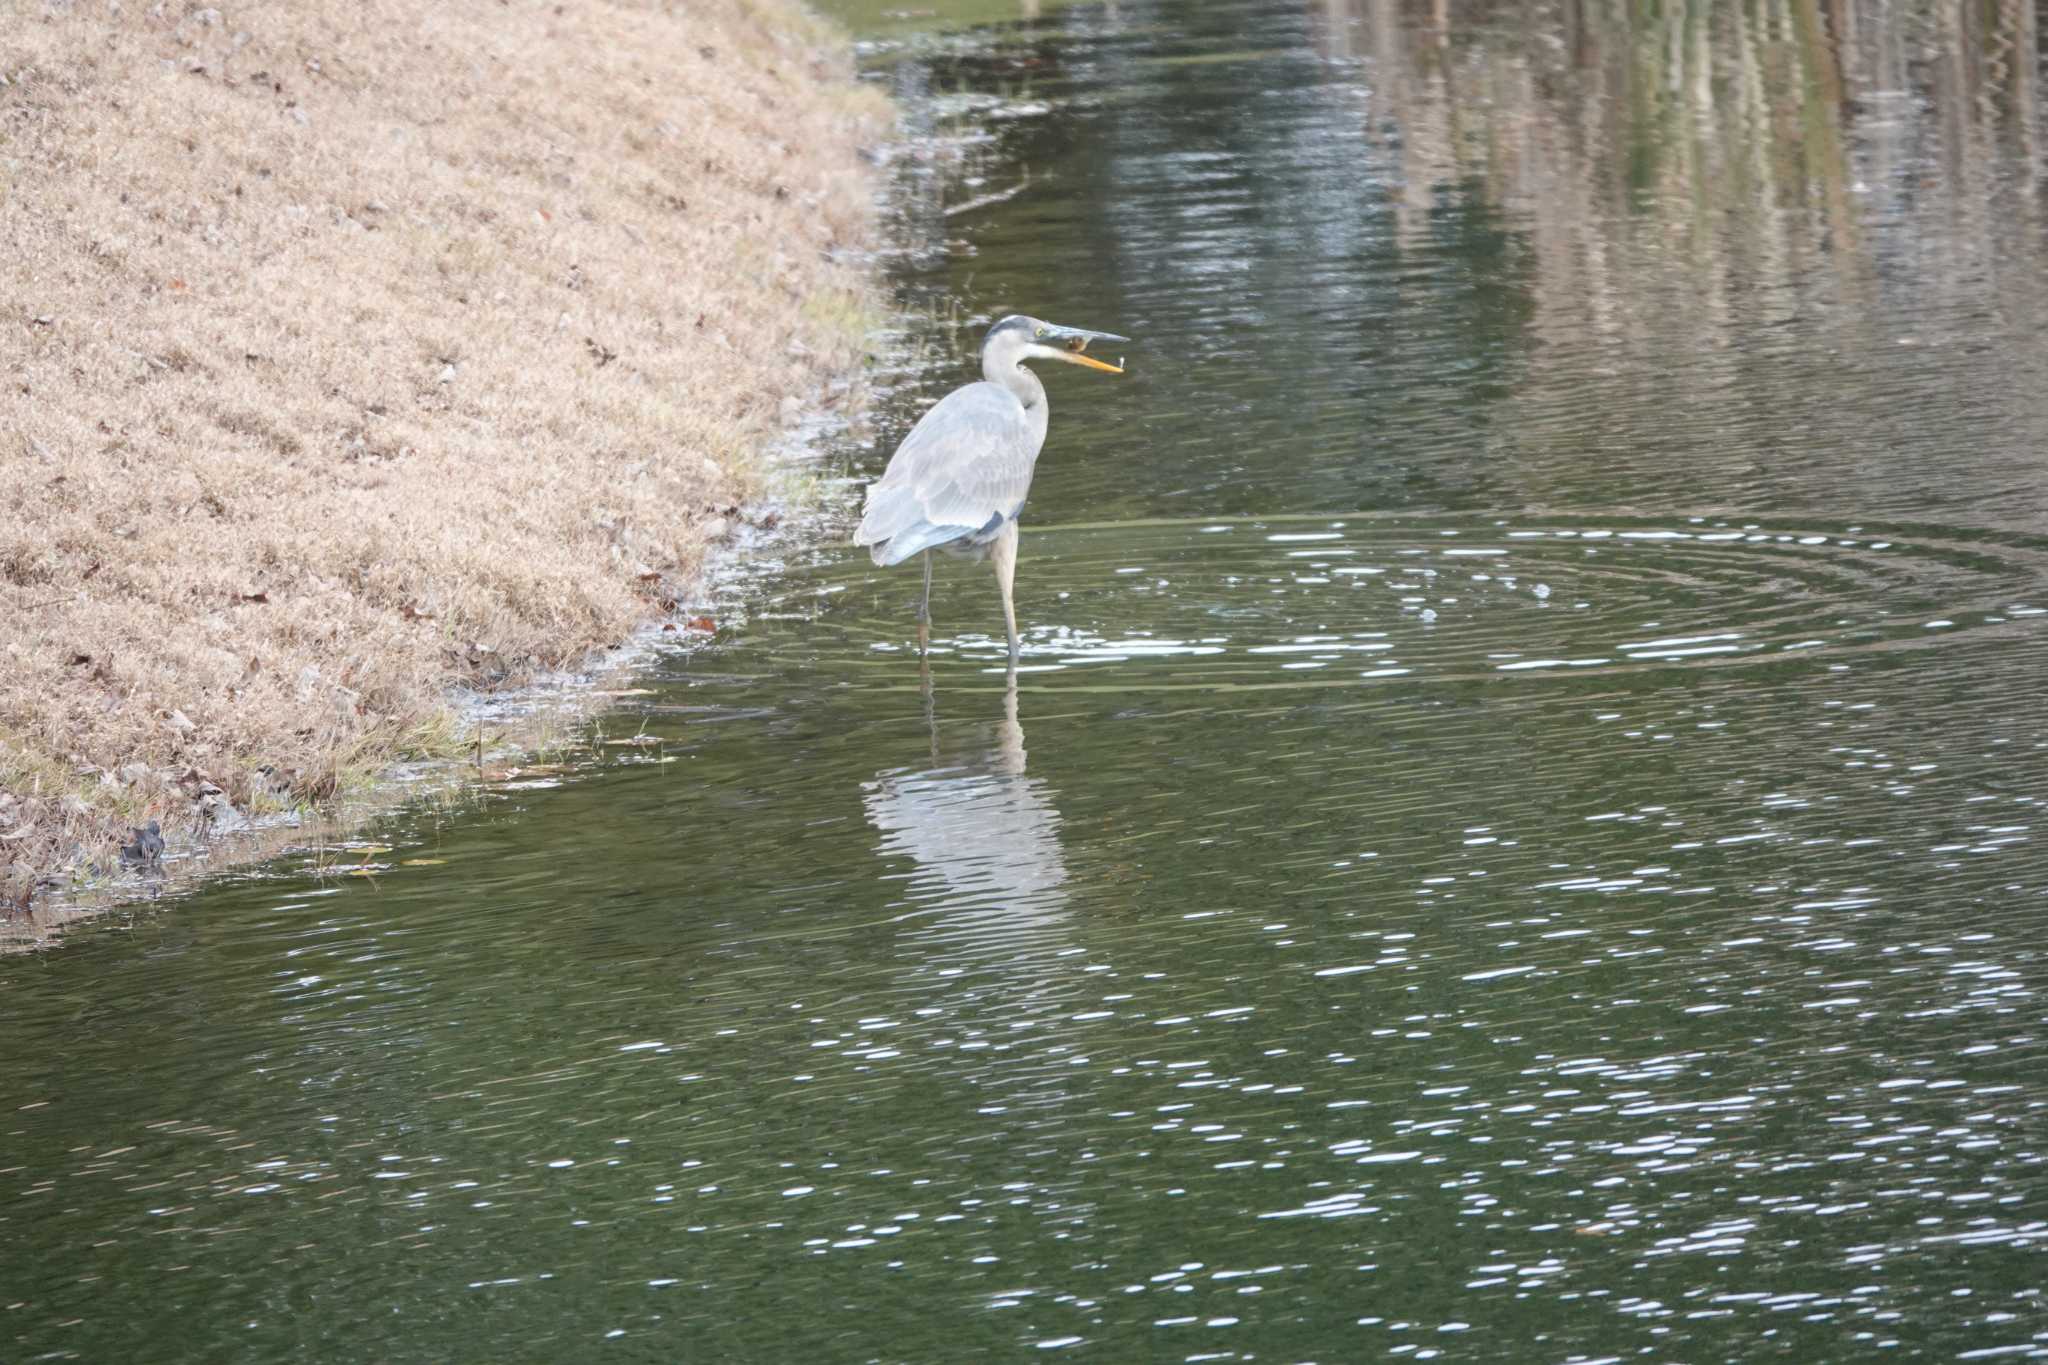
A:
[1017,339]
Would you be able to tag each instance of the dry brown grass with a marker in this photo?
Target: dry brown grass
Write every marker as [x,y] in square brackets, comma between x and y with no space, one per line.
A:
[354,349]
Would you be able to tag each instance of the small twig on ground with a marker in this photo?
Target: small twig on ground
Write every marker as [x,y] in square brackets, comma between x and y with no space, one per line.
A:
[983,201]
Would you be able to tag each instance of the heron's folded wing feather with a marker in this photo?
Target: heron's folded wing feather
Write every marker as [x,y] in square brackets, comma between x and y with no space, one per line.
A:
[968,459]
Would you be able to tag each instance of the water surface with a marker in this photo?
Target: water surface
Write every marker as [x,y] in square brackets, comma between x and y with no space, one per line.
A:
[1512,839]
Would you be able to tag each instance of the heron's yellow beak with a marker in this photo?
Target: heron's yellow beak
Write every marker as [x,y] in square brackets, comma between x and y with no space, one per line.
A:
[1076,358]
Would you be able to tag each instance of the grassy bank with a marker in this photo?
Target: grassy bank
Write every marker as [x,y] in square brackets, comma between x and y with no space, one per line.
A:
[358,351]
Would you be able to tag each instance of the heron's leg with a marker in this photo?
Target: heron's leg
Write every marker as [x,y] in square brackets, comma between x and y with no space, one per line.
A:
[924,607]
[1010,734]
[1004,552]
[931,703]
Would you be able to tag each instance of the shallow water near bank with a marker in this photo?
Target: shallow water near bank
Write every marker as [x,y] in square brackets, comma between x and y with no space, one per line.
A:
[1512,838]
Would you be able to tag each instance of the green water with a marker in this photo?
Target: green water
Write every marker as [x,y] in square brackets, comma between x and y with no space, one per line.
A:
[1512,840]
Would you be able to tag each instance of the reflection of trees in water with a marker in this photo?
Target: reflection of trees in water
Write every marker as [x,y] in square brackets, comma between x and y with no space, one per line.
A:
[1678,113]
[1687,177]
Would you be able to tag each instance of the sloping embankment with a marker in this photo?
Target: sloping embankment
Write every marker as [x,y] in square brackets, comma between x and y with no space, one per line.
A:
[355,351]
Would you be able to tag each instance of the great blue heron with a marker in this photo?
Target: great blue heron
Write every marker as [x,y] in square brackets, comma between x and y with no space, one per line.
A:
[958,481]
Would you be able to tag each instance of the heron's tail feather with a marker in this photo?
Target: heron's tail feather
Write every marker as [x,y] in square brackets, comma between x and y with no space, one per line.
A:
[914,540]
[894,526]
[889,510]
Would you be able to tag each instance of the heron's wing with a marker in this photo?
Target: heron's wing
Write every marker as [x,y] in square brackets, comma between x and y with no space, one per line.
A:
[965,465]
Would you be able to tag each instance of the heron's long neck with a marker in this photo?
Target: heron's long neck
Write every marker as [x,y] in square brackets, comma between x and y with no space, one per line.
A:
[1016,379]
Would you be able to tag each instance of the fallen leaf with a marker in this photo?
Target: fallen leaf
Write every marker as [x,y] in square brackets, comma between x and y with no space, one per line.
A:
[424,862]
[703,623]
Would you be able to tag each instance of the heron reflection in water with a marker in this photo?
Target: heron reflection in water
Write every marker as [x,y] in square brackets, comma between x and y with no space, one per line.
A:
[983,931]
[984,839]
[959,480]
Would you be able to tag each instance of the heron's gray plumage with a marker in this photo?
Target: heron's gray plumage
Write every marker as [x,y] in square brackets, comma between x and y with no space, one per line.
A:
[959,480]
[962,472]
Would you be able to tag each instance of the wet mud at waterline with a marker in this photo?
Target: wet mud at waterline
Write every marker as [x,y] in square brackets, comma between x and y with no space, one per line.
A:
[1512,835]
